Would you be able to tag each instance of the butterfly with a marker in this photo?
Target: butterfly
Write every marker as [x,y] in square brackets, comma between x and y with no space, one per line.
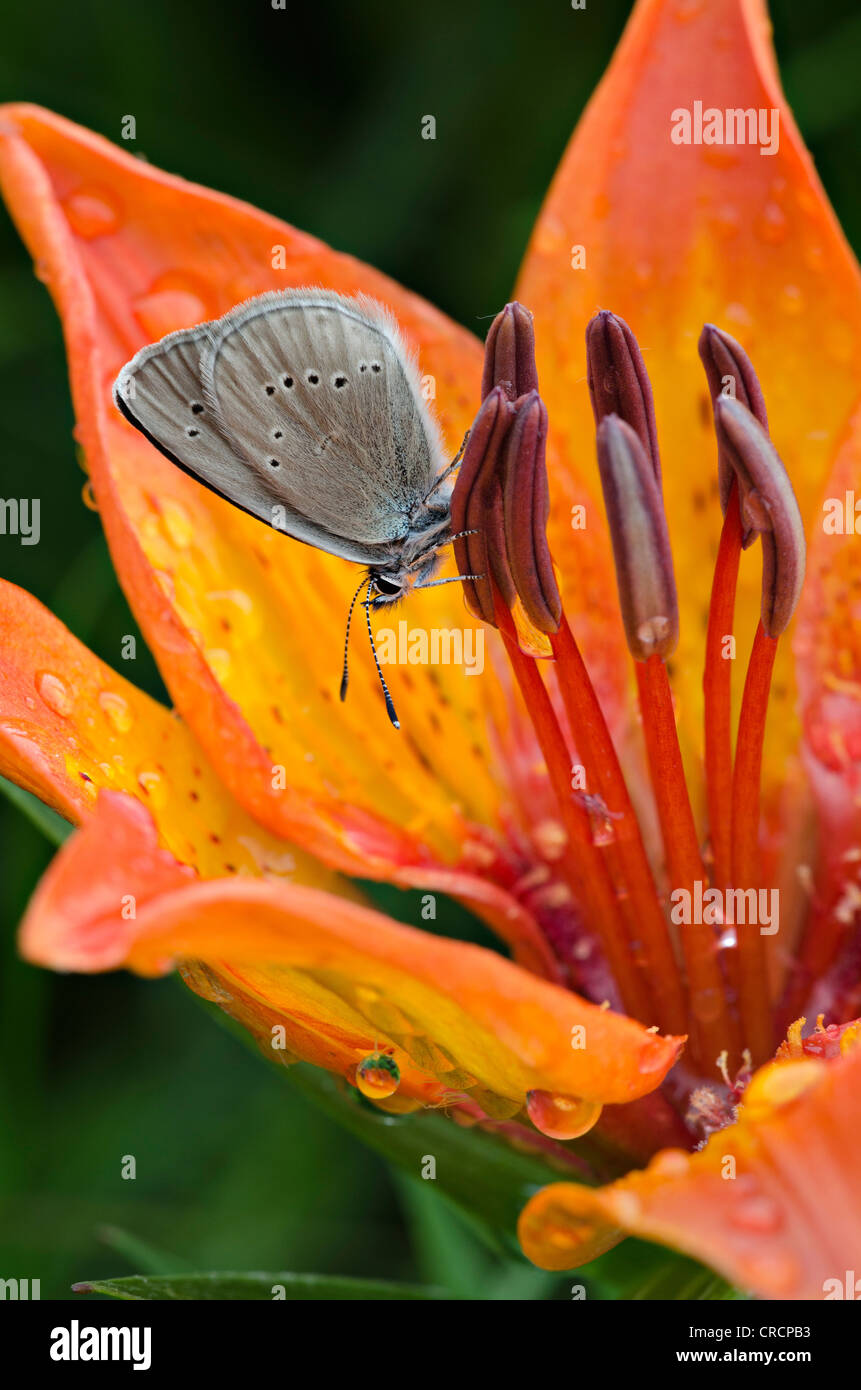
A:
[304,408]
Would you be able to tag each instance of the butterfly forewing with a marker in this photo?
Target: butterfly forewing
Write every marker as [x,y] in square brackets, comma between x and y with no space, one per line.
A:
[300,407]
[317,391]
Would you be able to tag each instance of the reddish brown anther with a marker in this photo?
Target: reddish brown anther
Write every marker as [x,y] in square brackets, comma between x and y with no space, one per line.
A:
[476,508]
[618,381]
[730,373]
[526,506]
[769,509]
[501,491]
[641,543]
[509,354]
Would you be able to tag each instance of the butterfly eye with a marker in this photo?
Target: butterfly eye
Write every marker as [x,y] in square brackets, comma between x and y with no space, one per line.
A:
[386,586]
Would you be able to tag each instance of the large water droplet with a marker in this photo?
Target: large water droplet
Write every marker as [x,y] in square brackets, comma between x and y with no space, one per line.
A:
[561,1117]
[378,1076]
[117,710]
[54,693]
[91,213]
[172,303]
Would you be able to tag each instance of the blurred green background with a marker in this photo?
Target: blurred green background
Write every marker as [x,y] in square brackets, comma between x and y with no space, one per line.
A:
[313,114]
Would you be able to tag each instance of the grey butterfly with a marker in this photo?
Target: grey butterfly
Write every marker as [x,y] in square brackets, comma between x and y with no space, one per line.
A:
[304,408]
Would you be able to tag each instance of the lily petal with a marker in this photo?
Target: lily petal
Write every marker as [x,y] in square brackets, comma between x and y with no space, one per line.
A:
[70,726]
[736,237]
[247,627]
[457,1017]
[130,253]
[771,1202]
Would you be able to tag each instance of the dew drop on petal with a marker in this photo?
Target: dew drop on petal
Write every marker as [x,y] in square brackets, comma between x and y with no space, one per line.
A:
[116,710]
[154,786]
[163,310]
[177,523]
[561,1117]
[54,693]
[758,1214]
[378,1076]
[89,497]
[91,213]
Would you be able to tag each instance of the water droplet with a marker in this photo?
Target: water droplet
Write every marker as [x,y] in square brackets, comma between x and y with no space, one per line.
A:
[117,710]
[172,302]
[758,1214]
[91,213]
[378,1076]
[177,523]
[561,1117]
[219,662]
[89,497]
[54,693]
[550,838]
[235,612]
[791,300]
[771,225]
[154,786]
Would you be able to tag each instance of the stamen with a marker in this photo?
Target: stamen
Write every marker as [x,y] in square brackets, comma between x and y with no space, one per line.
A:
[509,354]
[730,373]
[603,772]
[619,383]
[713,1024]
[769,509]
[717,689]
[754,1000]
[586,871]
[477,510]
[641,544]
[526,507]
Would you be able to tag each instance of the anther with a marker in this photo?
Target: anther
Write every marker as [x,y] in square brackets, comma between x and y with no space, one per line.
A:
[769,509]
[618,381]
[641,544]
[509,354]
[730,373]
[526,507]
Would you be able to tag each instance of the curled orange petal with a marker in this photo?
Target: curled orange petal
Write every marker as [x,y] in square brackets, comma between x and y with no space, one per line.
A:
[351,979]
[771,1202]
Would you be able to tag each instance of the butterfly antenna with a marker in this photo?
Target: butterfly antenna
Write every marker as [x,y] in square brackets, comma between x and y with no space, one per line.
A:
[390,705]
[452,579]
[346,675]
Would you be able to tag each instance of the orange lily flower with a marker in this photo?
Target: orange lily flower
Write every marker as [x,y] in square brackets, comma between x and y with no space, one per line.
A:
[221,840]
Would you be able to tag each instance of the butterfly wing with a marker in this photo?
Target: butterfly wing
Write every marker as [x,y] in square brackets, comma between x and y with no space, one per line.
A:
[319,390]
[352,458]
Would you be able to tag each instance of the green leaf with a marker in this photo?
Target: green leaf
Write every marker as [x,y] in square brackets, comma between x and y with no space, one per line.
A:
[52,826]
[307,1287]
